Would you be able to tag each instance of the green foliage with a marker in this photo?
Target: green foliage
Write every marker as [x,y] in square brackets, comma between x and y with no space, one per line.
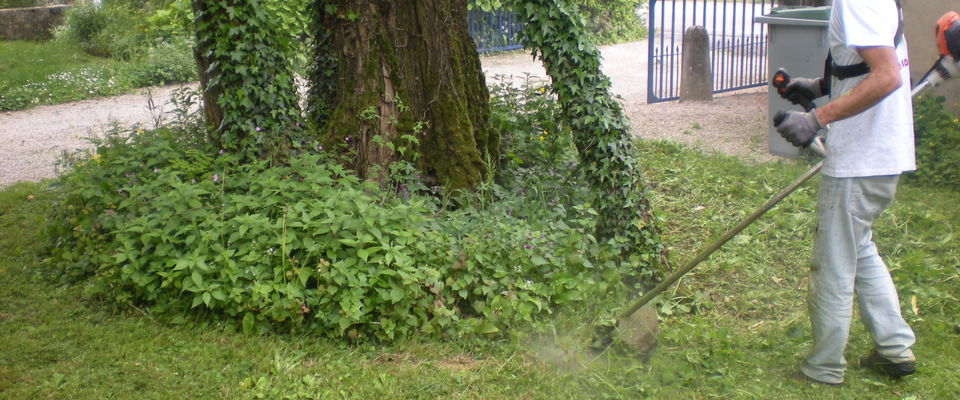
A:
[602,133]
[529,119]
[938,144]
[156,43]
[151,218]
[486,5]
[171,20]
[163,63]
[612,20]
[107,30]
[293,21]
[249,69]
[33,73]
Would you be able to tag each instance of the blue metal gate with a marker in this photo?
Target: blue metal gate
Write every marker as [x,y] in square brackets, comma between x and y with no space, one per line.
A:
[494,31]
[738,46]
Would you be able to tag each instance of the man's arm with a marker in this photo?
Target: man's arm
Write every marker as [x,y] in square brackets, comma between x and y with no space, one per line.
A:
[883,79]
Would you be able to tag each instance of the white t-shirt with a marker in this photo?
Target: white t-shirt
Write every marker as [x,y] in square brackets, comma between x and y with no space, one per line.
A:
[878,141]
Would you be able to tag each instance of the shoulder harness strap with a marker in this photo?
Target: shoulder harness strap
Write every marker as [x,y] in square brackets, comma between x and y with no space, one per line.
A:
[855,70]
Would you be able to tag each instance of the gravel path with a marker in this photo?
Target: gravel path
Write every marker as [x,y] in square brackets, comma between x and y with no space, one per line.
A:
[32,140]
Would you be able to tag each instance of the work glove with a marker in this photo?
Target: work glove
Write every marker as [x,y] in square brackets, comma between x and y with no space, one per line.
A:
[799,128]
[804,88]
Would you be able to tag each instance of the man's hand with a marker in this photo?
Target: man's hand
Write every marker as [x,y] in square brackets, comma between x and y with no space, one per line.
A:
[806,88]
[799,128]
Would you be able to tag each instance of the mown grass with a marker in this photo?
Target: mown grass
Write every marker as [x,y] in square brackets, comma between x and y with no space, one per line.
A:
[58,71]
[732,329]
[53,72]
[23,62]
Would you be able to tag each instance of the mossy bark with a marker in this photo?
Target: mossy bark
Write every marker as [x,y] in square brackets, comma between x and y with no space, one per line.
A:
[399,63]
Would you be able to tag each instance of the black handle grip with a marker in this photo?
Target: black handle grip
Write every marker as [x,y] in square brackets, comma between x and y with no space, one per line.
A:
[780,81]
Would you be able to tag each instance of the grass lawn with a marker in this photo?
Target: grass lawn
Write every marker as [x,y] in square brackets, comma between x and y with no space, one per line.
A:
[23,62]
[52,72]
[732,329]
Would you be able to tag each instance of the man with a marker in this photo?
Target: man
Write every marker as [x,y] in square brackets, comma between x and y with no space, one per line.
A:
[870,143]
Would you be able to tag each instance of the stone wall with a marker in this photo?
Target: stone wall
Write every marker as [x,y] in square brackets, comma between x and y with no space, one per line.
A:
[34,23]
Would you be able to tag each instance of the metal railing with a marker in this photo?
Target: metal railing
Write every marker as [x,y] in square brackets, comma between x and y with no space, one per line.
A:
[494,31]
[738,46]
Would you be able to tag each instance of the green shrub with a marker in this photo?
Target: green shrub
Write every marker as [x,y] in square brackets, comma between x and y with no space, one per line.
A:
[163,64]
[56,72]
[84,24]
[613,20]
[163,220]
[538,159]
[125,30]
[171,20]
[528,116]
[938,144]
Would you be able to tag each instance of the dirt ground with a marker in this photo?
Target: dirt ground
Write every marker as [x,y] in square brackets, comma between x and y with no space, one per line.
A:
[734,124]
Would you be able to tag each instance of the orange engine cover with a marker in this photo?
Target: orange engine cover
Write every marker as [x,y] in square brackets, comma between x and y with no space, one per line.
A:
[948,34]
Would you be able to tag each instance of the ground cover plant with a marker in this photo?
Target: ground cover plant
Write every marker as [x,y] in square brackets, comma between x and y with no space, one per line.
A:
[732,329]
[150,218]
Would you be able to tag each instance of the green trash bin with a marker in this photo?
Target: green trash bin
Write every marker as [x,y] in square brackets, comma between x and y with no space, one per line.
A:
[797,42]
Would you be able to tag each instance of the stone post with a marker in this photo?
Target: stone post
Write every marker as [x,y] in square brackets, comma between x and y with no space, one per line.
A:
[696,83]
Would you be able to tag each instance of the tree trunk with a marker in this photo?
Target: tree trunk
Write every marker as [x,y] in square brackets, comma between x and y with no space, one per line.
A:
[201,53]
[397,64]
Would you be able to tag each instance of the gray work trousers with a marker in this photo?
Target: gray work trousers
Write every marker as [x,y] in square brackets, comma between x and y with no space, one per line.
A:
[846,261]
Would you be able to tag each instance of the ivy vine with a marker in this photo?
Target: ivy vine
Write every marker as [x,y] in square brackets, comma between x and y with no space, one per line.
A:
[247,64]
[559,37]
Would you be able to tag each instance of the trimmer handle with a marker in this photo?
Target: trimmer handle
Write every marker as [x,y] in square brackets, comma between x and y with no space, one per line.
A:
[780,81]
[816,144]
